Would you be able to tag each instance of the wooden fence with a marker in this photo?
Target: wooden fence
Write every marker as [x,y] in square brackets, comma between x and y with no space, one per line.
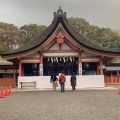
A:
[8,81]
[112,80]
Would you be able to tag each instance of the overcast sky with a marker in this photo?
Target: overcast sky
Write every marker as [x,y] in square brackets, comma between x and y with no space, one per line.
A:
[103,13]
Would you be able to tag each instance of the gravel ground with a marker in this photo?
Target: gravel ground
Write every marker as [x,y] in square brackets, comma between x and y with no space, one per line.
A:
[54,105]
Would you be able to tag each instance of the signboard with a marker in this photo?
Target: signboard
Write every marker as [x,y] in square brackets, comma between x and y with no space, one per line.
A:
[41,69]
[80,69]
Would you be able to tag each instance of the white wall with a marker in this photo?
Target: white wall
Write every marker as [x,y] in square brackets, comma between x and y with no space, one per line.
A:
[82,81]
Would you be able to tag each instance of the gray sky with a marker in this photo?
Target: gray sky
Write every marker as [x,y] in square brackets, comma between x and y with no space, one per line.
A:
[103,13]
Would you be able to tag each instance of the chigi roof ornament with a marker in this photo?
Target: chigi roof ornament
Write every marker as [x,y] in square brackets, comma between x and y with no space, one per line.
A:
[60,13]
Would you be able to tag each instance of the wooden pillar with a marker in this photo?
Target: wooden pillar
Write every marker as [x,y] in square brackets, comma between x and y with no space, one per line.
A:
[14,72]
[97,69]
[79,64]
[118,73]
[101,67]
[110,73]
[22,72]
[41,65]
[111,78]
[20,67]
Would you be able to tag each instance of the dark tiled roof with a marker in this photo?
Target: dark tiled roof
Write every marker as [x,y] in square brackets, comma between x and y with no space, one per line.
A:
[86,42]
[82,40]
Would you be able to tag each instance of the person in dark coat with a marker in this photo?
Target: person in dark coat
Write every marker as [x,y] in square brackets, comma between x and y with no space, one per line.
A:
[53,80]
[73,81]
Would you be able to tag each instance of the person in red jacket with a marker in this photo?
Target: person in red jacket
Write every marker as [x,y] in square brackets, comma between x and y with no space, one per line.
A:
[62,80]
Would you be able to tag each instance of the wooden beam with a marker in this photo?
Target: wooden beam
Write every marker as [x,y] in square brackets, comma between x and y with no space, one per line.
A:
[59,51]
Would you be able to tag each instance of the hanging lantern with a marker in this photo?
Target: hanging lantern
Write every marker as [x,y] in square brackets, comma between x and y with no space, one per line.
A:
[34,65]
[87,65]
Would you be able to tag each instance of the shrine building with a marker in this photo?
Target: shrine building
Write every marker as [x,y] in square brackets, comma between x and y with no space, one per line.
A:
[59,47]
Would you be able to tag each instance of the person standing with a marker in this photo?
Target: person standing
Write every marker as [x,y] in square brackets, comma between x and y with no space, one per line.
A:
[53,80]
[73,81]
[62,80]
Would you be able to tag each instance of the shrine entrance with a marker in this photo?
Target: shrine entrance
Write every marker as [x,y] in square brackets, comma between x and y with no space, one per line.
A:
[56,66]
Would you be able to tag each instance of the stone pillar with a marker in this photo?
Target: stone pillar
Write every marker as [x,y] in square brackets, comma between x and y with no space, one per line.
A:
[41,65]
[79,64]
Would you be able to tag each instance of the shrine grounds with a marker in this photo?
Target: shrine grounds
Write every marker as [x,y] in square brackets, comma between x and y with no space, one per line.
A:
[82,104]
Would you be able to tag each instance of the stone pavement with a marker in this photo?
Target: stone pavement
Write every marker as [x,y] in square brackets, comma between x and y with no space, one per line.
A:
[48,104]
[46,89]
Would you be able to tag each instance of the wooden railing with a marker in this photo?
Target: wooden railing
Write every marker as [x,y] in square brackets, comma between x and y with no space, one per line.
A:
[8,81]
[112,80]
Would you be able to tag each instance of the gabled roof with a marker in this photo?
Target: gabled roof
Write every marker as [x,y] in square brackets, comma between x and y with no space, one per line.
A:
[60,17]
